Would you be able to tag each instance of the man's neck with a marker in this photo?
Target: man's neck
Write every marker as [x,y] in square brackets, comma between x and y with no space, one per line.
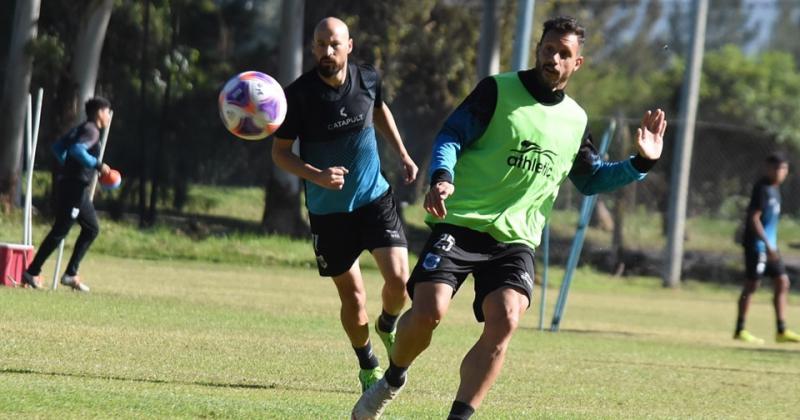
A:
[337,80]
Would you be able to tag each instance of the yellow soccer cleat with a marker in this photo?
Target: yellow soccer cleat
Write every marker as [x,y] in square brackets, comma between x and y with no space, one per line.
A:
[787,337]
[745,336]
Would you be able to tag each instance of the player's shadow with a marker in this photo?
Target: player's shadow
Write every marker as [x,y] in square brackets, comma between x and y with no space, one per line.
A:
[608,333]
[794,352]
[210,384]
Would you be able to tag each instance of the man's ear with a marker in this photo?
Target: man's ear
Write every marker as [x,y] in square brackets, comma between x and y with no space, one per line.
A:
[350,45]
[578,62]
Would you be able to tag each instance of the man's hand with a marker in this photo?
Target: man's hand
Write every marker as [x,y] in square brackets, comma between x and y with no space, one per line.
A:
[434,199]
[773,254]
[410,169]
[650,135]
[332,178]
[104,169]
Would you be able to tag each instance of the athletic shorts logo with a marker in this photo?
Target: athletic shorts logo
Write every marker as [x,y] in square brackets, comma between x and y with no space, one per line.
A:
[315,241]
[393,234]
[321,262]
[74,212]
[540,163]
[445,242]
[431,262]
[526,278]
[761,266]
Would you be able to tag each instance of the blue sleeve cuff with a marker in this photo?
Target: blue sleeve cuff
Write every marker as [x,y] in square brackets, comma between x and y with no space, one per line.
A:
[79,152]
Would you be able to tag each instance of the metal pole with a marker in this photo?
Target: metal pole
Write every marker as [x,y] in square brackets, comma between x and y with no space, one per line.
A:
[28,143]
[31,161]
[546,263]
[489,42]
[682,158]
[587,207]
[522,43]
[103,142]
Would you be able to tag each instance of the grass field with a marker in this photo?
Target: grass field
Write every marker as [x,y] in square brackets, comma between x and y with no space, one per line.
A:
[190,339]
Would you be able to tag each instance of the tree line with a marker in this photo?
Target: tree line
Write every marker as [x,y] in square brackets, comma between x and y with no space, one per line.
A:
[162,63]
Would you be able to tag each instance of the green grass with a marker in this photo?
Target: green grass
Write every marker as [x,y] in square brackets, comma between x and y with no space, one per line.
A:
[188,339]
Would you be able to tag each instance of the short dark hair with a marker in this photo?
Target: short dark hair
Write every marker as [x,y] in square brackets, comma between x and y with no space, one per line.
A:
[565,25]
[94,105]
[776,158]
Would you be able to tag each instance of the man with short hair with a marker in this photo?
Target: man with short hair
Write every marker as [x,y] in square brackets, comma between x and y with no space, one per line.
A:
[77,152]
[334,111]
[761,255]
[497,165]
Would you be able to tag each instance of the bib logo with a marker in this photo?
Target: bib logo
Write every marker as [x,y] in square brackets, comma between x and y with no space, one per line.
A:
[540,161]
[346,121]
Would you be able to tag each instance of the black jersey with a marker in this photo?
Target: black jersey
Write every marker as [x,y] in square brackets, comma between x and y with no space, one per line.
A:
[78,152]
[334,126]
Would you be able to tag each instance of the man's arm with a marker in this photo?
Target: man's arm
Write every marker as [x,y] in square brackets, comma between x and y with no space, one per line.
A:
[384,123]
[758,201]
[465,125]
[331,178]
[592,175]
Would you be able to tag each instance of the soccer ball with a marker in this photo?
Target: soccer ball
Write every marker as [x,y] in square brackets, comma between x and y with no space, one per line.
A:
[252,105]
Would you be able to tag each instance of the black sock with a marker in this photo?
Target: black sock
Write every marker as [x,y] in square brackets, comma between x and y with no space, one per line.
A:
[781,326]
[739,325]
[387,322]
[460,411]
[366,359]
[395,375]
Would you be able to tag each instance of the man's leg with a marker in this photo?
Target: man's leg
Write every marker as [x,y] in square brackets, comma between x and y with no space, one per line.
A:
[353,315]
[353,298]
[393,264]
[779,301]
[780,292]
[90,228]
[750,286]
[67,210]
[502,309]
[415,329]
[414,332]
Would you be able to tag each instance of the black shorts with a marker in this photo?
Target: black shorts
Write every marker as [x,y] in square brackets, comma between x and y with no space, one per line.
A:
[452,252]
[757,265]
[339,238]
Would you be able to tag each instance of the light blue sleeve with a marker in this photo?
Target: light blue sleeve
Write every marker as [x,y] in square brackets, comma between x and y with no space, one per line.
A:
[606,176]
[460,130]
[80,152]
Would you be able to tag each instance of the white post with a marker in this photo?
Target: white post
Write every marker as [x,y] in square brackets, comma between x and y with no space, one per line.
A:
[103,141]
[31,160]
[25,220]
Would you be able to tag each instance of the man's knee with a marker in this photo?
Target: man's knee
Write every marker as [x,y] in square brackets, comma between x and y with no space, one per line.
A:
[750,286]
[427,316]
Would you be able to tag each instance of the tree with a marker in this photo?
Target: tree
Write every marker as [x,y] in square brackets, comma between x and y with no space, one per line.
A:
[13,102]
[282,210]
[89,46]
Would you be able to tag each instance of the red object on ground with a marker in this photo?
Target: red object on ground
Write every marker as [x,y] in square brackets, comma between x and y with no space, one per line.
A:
[14,259]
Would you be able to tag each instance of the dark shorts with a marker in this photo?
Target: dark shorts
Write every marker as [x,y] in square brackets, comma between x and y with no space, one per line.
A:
[757,265]
[453,252]
[339,238]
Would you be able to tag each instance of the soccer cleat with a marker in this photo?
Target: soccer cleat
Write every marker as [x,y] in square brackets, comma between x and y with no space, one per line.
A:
[74,282]
[787,337]
[369,377]
[29,280]
[387,338]
[374,400]
[745,336]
